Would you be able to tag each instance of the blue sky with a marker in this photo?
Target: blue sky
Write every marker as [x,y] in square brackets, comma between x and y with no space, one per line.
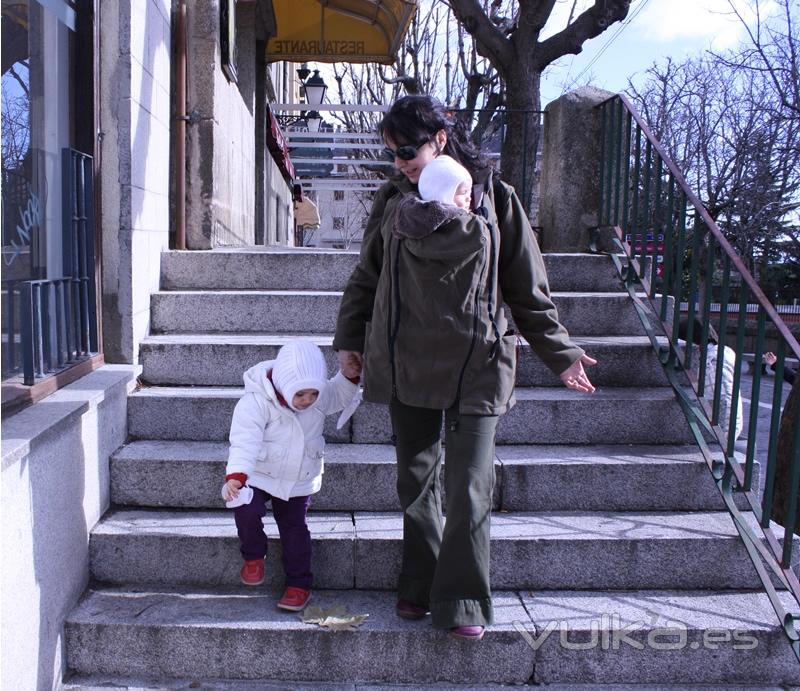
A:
[654,30]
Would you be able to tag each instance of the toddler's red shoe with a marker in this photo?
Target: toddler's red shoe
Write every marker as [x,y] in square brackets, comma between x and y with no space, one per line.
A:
[252,572]
[294,599]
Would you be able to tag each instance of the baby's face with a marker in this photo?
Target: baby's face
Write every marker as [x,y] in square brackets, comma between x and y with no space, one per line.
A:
[463,196]
[304,398]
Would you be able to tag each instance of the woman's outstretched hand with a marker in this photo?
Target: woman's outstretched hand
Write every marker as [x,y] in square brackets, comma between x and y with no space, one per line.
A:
[350,362]
[575,377]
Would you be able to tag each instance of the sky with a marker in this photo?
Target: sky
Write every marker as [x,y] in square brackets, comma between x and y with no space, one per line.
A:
[653,30]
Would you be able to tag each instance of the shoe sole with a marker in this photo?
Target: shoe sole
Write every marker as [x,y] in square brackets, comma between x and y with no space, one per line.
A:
[294,608]
[252,583]
[461,637]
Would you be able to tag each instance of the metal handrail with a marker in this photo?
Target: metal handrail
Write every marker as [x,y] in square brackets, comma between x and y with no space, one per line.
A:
[710,224]
[632,186]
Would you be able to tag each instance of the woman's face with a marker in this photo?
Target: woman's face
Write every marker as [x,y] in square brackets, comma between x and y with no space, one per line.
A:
[425,154]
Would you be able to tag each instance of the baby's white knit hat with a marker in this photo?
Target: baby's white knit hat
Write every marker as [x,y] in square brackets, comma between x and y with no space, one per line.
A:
[440,178]
[299,365]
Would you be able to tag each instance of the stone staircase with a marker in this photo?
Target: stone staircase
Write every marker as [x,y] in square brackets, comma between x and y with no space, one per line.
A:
[605,516]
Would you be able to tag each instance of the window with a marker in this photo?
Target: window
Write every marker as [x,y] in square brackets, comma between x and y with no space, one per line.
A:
[338,196]
[47,219]
[338,223]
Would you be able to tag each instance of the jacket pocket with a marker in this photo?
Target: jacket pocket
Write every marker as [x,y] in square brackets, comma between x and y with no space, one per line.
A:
[272,458]
[506,369]
[313,459]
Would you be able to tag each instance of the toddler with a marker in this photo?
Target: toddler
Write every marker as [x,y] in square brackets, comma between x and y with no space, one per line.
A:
[276,450]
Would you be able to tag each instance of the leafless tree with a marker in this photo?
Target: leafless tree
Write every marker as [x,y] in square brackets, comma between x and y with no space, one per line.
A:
[508,33]
[730,128]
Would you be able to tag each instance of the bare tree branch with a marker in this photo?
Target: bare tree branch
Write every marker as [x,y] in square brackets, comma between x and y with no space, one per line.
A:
[490,41]
[589,24]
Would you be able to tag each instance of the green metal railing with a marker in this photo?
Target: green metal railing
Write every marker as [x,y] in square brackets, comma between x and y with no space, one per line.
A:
[668,248]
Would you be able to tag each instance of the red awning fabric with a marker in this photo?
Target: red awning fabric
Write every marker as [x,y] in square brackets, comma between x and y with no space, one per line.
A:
[279,147]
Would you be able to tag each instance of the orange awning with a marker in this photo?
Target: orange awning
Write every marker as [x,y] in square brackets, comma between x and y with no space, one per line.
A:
[339,30]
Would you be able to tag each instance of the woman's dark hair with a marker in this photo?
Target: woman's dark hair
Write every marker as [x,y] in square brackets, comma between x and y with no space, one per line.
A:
[697,331]
[415,119]
[297,193]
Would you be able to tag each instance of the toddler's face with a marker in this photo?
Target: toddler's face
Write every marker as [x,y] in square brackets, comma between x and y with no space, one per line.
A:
[304,398]
[463,196]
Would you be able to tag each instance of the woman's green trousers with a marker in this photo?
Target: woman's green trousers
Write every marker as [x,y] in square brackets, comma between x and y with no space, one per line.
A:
[445,563]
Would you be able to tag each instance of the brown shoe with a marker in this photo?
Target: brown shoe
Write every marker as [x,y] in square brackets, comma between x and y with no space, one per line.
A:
[408,610]
[252,572]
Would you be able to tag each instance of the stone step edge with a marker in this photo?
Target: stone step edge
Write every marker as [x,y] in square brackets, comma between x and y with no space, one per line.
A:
[521,393]
[384,453]
[326,339]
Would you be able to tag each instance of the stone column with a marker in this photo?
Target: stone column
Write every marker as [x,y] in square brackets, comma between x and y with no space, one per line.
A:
[570,179]
[134,195]
[220,138]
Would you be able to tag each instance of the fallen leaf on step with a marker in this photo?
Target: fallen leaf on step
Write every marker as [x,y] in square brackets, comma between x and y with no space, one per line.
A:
[336,618]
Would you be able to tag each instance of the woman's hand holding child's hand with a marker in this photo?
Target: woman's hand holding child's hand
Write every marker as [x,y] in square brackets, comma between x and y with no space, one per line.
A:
[574,377]
[230,490]
[350,362]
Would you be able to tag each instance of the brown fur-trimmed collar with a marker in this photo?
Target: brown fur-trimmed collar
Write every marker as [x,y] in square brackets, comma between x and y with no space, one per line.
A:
[416,219]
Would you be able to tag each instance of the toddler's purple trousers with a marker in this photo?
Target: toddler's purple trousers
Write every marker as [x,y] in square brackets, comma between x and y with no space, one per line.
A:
[295,538]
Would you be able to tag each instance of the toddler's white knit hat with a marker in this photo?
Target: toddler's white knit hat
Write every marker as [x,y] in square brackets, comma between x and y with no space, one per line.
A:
[299,365]
[440,178]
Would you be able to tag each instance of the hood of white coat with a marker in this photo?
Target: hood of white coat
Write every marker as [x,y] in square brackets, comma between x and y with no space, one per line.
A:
[255,380]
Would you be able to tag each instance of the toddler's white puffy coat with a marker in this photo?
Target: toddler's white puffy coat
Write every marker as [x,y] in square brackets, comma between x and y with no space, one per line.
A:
[281,451]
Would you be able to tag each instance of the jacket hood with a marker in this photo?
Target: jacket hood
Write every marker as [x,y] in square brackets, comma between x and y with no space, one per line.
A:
[255,380]
[417,219]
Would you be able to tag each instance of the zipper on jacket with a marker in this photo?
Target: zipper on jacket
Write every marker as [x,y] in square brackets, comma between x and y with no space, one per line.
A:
[393,318]
[476,308]
[492,284]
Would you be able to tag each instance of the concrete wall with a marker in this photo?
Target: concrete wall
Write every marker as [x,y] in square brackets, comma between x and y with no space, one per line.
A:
[279,206]
[221,184]
[55,487]
[134,122]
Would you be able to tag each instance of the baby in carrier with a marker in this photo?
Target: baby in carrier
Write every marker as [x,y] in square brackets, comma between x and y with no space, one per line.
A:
[445,193]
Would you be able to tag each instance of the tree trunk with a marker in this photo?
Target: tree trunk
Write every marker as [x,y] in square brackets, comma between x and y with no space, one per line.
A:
[521,140]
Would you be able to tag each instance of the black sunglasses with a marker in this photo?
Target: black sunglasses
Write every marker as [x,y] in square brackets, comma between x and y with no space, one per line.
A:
[406,153]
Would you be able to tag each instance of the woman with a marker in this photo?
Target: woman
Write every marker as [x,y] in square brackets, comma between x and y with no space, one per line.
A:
[427,324]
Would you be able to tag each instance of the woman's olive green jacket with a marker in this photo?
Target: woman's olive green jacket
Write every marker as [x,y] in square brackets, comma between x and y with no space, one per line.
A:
[428,314]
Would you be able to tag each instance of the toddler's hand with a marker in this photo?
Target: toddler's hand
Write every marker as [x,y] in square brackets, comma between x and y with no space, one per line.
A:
[230,489]
[770,359]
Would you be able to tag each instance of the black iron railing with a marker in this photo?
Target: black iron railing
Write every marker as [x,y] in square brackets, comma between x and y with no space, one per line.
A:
[51,324]
[669,248]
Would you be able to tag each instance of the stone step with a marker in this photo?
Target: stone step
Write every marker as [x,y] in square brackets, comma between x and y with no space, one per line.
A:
[555,550]
[358,477]
[305,269]
[660,637]
[98,682]
[220,359]
[540,416]
[275,311]
[362,477]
